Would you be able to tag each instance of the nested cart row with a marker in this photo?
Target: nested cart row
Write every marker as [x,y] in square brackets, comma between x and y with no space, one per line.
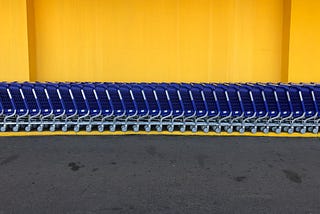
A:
[204,107]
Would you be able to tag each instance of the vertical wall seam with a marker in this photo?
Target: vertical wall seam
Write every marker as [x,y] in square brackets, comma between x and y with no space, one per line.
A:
[286,25]
[31,40]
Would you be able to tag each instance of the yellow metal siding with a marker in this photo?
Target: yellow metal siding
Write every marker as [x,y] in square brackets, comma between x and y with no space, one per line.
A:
[14,63]
[304,60]
[158,40]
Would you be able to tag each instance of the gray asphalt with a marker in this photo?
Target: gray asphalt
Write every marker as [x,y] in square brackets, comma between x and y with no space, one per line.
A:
[159,174]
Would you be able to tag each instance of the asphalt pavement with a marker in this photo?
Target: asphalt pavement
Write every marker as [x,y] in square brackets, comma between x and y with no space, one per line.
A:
[159,174]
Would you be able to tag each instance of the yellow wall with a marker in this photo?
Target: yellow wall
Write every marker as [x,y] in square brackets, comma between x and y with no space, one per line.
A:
[304,60]
[14,63]
[158,40]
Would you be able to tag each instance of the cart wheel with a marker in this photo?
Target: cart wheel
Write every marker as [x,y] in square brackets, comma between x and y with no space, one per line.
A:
[159,128]
[194,129]
[124,128]
[182,128]
[229,130]
[64,128]
[315,130]
[147,128]
[218,130]
[266,130]
[40,128]
[278,130]
[3,129]
[303,130]
[100,128]
[15,128]
[170,128]
[76,128]
[52,128]
[135,128]
[205,129]
[27,128]
[88,128]
[112,128]
[241,130]
[290,131]
[254,130]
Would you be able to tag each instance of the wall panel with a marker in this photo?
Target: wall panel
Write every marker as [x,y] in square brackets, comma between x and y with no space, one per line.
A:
[158,40]
[13,41]
[304,52]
